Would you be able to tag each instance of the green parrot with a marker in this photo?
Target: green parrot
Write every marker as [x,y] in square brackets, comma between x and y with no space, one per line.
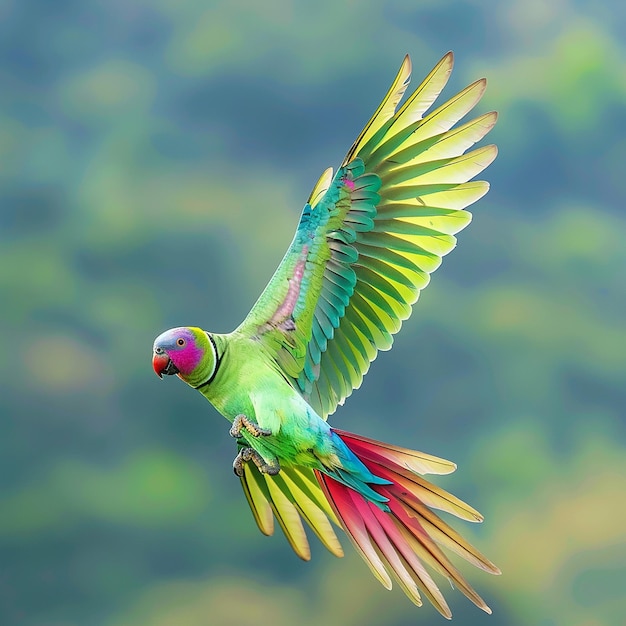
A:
[368,238]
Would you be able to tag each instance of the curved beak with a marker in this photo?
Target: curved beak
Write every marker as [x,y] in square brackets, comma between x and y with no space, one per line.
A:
[162,364]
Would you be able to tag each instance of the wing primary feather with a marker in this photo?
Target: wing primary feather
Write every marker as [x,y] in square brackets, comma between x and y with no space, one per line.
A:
[421,100]
[386,108]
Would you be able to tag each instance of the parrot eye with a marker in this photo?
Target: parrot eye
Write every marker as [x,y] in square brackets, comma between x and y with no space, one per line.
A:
[180,341]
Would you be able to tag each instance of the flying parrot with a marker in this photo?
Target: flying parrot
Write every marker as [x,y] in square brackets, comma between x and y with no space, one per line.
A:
[368,239]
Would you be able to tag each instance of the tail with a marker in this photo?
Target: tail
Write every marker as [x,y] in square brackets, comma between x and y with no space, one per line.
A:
[409,535]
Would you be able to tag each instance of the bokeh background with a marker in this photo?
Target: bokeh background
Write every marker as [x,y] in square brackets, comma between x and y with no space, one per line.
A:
[154,157]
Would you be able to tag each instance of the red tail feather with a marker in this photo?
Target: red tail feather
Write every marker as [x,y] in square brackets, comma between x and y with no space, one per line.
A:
[410,535]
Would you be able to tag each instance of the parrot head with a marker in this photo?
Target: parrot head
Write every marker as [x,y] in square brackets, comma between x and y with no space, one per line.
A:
[185,351]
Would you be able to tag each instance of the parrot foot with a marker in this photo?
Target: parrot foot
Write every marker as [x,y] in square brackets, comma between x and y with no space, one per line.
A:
[249,454]
[241,422]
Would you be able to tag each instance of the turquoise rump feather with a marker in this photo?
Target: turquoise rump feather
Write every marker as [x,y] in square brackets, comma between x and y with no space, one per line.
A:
[368,239]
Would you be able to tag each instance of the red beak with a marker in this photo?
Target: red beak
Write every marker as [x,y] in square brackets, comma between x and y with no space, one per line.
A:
[160,363]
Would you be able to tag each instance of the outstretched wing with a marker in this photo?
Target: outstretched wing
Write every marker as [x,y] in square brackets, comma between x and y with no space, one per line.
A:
[370,236]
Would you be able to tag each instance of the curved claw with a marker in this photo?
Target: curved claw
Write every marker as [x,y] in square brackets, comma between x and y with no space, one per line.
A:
[241,422]
[249,454]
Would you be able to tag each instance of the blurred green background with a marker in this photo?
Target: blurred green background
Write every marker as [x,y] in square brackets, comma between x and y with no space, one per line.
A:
[154,157]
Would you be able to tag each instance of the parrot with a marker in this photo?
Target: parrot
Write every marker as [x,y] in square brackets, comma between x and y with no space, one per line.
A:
[368,239]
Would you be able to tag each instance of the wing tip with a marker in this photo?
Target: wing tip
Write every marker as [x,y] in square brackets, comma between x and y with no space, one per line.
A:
[489,154]
[482,82]
[447,61]
[405,72]
[490,118]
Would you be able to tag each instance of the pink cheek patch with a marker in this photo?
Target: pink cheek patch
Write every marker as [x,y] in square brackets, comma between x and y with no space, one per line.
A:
[186,360]
[349,184]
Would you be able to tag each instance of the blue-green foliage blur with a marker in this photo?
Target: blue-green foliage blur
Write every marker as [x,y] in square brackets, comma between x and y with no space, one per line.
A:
[154,157]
